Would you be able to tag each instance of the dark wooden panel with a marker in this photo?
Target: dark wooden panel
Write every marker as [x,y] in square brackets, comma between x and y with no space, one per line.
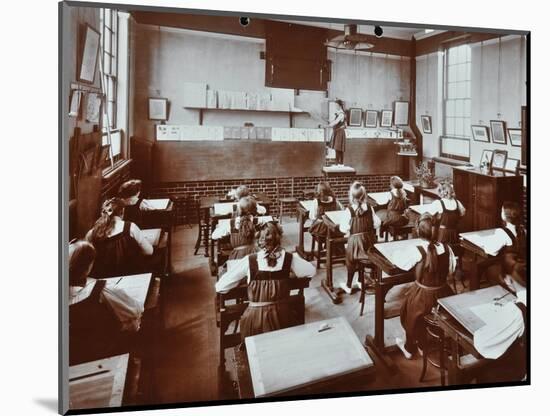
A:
[372,156]
[199,160]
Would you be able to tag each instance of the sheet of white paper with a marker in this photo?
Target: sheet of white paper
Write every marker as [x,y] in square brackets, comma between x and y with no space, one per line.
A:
[159,203]
[308,205]
[381,198]
[223,208]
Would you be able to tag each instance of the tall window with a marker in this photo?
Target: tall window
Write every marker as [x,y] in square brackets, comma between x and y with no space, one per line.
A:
[457,91]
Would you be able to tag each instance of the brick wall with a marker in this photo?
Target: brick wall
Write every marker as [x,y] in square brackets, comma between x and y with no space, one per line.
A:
[193,191]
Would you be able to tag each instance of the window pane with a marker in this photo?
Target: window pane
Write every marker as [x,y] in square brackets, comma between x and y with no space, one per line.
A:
[106,64]
[461,69]
[459,108]
[107,43]
[451,91]
[452,56]
[468,75]
[450,126]
[467,108]
[451,73]
[462,53]
[459,127]
[467,127]
[468,54]
[467,89]
[108,18]
[450,110]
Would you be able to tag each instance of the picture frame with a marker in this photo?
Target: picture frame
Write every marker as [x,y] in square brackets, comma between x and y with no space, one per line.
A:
[401,113]
[158,109]
[371,118]
[486,156]
[75,103]
[480,133]
[102,155]
[498,131]
[355,117]
[89,55]
[515,137]
[512,165]
[498,162]
[386,118]
[426,124]
[93,107]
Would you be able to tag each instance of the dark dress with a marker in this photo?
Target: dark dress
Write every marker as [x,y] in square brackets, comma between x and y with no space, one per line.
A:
[117,255]
[93,328]
[132,213]
[447,231]
[241,246]
[422,297]
[395,213]
[338,138]
[318,228]
[268,293]
[514,256]
[362,236]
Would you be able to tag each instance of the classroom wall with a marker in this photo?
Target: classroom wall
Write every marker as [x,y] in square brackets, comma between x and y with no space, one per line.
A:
[494,96]
[165,58]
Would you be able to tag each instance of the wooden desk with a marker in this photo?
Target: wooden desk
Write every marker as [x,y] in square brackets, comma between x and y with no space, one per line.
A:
[337,170]
[303,210]
[378,200]
[164,217]
[393,277]
[302,360]
[416,211]
[332,221]
[136,286]
[419,192]
[153,236]
[482,260]
[98,384]
[459,323]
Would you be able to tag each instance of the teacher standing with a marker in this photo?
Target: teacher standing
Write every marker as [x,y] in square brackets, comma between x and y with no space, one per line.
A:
[338,137]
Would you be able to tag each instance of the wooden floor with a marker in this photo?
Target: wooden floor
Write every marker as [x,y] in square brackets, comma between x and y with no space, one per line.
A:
[186,367]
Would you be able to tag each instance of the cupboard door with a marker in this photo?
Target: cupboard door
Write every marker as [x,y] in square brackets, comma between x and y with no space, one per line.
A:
[462,182]
[485,202]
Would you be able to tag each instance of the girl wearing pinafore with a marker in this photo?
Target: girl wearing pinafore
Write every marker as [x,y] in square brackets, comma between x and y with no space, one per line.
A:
[121,247]
[324,202]
[268,273]
[433,265]
[338,137]
[360,221]
[134,204]
[449,211]
[396,207]
[514,252]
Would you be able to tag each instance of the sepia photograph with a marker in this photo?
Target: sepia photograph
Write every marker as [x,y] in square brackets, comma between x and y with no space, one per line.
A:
[247,238]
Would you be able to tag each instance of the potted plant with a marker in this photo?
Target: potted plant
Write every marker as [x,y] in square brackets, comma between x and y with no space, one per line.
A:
[425,175]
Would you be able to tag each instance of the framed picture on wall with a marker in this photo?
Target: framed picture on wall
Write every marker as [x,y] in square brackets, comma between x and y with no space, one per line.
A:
[88,55]
[499,159]
[480,133]
[371,118]
[515,137]
[386,118]
[512,165]
[498,131]
[158,109]
[401,113]
[426,124]
[486,157]
[355,117]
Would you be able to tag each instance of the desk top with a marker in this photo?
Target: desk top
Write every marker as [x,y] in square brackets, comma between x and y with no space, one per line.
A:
[224,208]
[159,204]
[381,198]
[152,235]
[307,205]
[299,356]
[261,220]
[422,209]
[137,285]
[408,186]
[460,306]
[487,241]
[392,250]
[335,216]
[338,169]
[98,384]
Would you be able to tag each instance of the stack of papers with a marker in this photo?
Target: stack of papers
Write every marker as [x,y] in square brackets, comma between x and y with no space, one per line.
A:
[490,241]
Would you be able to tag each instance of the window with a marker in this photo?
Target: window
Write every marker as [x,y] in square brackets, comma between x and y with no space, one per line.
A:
[457,100]
[109,67]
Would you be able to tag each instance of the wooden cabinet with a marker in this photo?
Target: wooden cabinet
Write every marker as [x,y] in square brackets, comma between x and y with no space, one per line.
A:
[483,194]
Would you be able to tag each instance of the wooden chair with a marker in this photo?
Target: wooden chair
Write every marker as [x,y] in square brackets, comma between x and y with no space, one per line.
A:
[365,264]
[285,200]
[204,228]
[435,341]
[398,232]
[320,255]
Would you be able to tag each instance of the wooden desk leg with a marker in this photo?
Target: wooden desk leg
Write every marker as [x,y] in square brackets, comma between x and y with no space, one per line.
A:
[300,247]
[452,364]
[327,282]
[208,233]
[474,276]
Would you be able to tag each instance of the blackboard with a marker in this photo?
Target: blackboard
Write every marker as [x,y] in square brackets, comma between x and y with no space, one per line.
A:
[372,156]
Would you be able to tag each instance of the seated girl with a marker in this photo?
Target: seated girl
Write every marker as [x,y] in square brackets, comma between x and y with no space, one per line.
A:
[130,194]
[241,229]
[267,274]
[432,267]
[360,223]
[242,191]
[447,211]
[97,312]
[396,207]
[324,201]
[121,247]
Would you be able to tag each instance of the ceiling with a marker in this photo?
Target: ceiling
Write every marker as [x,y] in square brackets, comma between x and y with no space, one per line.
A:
[389,31]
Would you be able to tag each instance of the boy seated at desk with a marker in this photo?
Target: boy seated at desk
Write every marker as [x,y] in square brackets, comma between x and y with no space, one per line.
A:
[242,191]
[130,194]
[120,245]
[267,273]
[97,312]
[511,272]
[432,267]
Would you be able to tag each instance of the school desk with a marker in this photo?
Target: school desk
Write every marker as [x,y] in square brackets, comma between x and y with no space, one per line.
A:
[136,286]
[418,193]
[385,276]
[332,220]
[98,384]
[163,216]
[454,317]
[416,211]
[482,260]
[378,200]
[303,210]
[304,359]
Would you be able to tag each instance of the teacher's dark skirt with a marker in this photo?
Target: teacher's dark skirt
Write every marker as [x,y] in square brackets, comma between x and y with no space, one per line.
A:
[338,139]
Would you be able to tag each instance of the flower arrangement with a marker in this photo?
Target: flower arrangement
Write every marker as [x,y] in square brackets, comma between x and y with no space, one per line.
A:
[425,175]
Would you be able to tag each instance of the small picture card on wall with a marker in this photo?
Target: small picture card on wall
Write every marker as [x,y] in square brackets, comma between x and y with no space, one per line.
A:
[498,131]
[158,109]
[355,117]
[93,107]
[486,157]
[512,165]
[74,106]
[426,124]
[386,118]
[499,159]
[371,118]
[515,137]
[480,133]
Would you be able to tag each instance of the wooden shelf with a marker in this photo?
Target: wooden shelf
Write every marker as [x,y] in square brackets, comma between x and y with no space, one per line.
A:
[291,113]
